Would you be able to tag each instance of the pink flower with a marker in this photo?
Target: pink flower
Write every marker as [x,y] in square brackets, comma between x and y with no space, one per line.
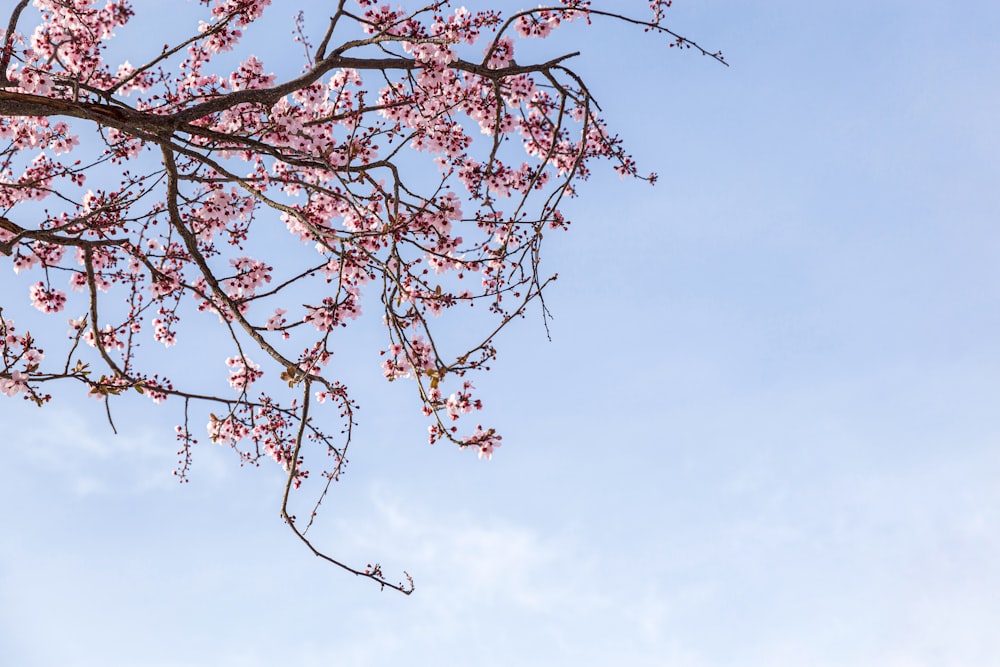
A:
[277,320]
[15,384]
[47,300]
[75,326]
[244,373]
[163,333]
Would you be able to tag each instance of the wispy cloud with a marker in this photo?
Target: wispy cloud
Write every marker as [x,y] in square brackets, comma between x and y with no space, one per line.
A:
[79,451]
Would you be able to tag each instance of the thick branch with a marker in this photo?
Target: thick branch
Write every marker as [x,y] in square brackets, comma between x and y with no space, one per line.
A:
[269,96]
[121,118]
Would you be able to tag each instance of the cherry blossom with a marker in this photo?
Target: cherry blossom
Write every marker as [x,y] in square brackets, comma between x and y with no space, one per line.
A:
[244,372]
[411,166]
[15,384]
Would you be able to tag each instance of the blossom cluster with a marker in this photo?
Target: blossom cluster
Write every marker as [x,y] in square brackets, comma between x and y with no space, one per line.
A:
[411,170]
[20,359]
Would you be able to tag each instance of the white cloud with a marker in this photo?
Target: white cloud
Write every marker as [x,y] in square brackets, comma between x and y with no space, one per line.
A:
[79,450]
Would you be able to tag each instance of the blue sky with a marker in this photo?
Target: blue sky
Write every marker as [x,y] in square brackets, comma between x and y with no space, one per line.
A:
[765,431]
